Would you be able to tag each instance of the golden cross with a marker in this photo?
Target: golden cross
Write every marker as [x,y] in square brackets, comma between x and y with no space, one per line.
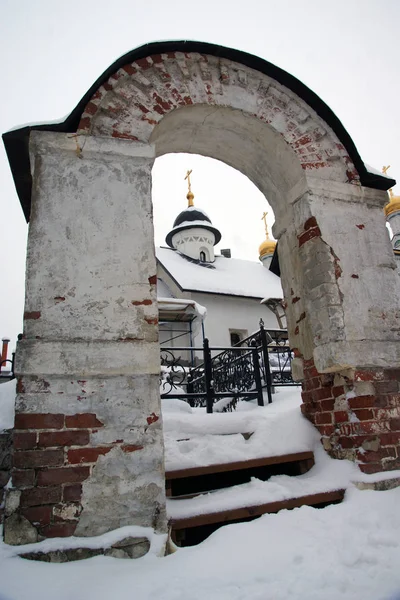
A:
[188,178]
[385,169]
[264,218]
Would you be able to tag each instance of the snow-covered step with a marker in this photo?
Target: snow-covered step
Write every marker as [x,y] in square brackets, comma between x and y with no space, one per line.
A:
[194,519]
[195,480]
[255,510]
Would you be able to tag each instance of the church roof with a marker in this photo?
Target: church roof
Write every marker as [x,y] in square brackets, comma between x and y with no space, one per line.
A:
[191,213]
[227,276]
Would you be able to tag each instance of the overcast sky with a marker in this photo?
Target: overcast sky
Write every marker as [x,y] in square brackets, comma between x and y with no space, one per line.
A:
[51,51]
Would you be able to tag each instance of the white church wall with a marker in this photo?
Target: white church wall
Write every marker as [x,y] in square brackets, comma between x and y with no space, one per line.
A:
[229,313]
[192,241]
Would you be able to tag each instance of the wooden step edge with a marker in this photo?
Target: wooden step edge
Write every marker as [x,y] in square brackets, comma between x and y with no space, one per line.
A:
[257,510]
[238,465]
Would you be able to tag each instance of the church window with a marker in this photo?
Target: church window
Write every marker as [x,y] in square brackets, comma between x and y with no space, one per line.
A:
[237,335]
[202,256]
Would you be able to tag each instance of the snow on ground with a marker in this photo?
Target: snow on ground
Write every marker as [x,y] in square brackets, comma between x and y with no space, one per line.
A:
[7,400]
[351,550]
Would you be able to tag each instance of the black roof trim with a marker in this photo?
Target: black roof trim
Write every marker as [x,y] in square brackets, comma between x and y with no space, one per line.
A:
[17,141]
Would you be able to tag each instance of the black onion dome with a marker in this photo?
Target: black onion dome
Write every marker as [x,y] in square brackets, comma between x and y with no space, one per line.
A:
[197,217]
[191,214]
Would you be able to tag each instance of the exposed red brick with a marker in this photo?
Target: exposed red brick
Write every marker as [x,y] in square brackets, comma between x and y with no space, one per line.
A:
[328,404]
[24,459]
[32,315]
[311,222]
[309,235]
[131,448]
[337,391]
[361,226]
[326,430]
[153,280]
[87,455]
[372,457]
[82,421]
[124,136]
[324,418]
[151,320]
[152,418]
[64,438]
[38,514]
[364,414]
[20,388]
[395,425]
[62,529]
[72,493]
[59,299]
[362,402]
[63,475]
[39,496]
[346,442]
[364,375]
[23,478]
[91,108]
[84,124]
[390,439]
[24,441]
[306,396]
[354,276]
[38,421]
[323,393]
[370,468]
[341,416]
[296,299]
[146,302]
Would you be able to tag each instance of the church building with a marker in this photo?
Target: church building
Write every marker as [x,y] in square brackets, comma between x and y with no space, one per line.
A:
[205,294]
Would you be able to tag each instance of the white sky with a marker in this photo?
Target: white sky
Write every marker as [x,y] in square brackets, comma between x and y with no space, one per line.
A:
[346,51]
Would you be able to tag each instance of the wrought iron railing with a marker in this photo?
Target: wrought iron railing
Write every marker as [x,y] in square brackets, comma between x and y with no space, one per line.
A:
[227,376]
[6,373]
[259,362]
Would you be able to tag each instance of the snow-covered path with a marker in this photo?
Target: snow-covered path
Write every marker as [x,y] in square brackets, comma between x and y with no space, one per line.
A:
[350,550]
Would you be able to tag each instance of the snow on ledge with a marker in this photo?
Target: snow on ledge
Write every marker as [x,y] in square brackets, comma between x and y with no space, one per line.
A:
[106,540]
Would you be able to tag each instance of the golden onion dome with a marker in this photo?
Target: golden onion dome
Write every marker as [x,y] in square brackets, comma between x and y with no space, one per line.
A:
[268,246]
[393,205]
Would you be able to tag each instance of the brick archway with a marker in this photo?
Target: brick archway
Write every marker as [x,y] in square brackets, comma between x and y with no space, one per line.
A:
[87,412]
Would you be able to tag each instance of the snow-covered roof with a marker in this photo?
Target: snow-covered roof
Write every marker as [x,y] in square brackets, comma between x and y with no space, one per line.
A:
[229,276]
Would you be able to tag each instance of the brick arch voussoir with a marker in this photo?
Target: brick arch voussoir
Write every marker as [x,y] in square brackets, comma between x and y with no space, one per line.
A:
[131,103]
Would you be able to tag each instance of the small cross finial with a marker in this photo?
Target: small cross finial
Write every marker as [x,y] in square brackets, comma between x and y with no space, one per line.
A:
[264,218]
[190,194]
[188,174]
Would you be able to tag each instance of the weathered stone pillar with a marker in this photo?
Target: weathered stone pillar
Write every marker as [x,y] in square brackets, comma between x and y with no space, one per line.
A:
[88,447]
[342,292]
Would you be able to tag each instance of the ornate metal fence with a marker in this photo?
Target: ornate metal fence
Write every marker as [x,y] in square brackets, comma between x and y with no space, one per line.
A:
[238,372]
[233,374]
[7,368]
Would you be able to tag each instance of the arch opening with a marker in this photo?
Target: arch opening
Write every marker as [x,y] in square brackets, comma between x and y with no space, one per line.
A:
[241,142]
